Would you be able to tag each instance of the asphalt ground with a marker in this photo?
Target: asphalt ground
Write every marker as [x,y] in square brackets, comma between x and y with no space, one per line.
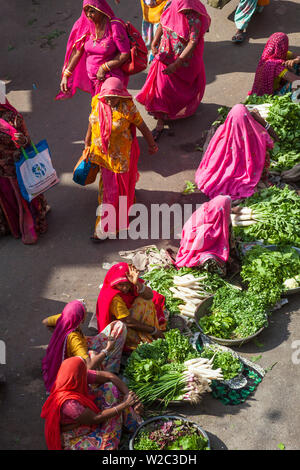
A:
[37,281]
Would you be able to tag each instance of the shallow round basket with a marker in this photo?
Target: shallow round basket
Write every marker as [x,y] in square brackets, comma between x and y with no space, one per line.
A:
[203,310]
[166,418]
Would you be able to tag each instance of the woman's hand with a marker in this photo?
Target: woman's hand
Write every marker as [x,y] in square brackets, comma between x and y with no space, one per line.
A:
[152,149]
[111,341]
[154,48]
[131,399]
[21,139]
[64,84]
[101,74]
[290,63]
[139,408]
[133,274]
[170,69]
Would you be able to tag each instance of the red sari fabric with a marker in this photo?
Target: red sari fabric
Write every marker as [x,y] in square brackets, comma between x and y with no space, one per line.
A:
[70,384]
[116,274]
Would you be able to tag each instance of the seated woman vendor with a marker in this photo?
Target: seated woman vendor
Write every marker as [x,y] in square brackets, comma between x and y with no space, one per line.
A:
[102,351]
[125,297]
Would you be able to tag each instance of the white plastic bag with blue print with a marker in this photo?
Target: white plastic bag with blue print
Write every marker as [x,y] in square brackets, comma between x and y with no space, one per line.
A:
[35,172]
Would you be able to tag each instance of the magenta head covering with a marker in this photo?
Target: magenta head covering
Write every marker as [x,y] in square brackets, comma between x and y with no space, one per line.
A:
[206,234]
[113,87]
[69,321]
[235,157]
[82,28]
[271,64]
[100,5]
[173,19]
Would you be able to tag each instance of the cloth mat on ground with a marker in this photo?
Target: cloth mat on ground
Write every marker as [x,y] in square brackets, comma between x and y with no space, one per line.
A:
[142,258]
[236,390]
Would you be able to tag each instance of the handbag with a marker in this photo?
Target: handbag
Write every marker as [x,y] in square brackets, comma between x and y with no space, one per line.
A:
[85,172]
[35,173]
[218,3]
[138,52]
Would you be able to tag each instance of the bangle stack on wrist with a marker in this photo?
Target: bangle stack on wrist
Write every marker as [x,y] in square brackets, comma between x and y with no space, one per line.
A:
[267,126]
[68,73]
[106,67]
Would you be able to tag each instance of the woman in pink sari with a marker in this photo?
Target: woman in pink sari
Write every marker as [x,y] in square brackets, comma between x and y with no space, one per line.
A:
[17,216]
[205,240]
[277,68]
[236,156]
[97,48]
[176,80]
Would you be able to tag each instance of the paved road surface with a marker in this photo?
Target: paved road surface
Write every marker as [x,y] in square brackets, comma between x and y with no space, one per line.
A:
[37,281]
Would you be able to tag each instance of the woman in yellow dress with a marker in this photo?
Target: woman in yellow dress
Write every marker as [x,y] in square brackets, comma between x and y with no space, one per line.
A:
[113,146]
[125,297]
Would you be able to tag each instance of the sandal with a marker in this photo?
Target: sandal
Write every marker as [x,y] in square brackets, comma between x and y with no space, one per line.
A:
[157,133]
[238,38]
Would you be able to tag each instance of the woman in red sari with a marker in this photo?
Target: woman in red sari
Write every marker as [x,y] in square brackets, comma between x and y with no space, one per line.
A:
[176,80]
[124,296]
[86,409]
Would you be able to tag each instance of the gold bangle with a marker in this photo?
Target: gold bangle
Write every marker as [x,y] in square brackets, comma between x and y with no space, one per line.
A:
[67,73]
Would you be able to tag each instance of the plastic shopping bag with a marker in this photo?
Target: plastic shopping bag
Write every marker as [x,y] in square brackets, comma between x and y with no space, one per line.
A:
[35,173]
[85,172]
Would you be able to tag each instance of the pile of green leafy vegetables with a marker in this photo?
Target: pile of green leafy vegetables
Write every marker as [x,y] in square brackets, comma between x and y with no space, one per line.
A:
[277,212]
[235,314]
[284,117]
[161,279]
[153,369]
[229,364]
[170,434]
[265,270]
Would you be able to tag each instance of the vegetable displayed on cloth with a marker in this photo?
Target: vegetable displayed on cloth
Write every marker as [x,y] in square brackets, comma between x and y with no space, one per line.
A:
[169,369]
[234,314]
[230,365]
[273,216]
[170,434]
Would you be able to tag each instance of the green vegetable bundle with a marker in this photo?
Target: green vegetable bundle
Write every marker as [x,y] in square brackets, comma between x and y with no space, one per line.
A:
[235,314]
[169,369]
[225,360]
[277,214]
[284,117]
[265,270]
[162,280]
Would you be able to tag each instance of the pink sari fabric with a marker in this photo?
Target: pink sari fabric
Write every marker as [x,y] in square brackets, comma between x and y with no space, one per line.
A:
[114,41]
[270,64]
[188,82]
[117,185]
[69,321]
[119,192]
[206,234]
[112,87]
[234,160]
